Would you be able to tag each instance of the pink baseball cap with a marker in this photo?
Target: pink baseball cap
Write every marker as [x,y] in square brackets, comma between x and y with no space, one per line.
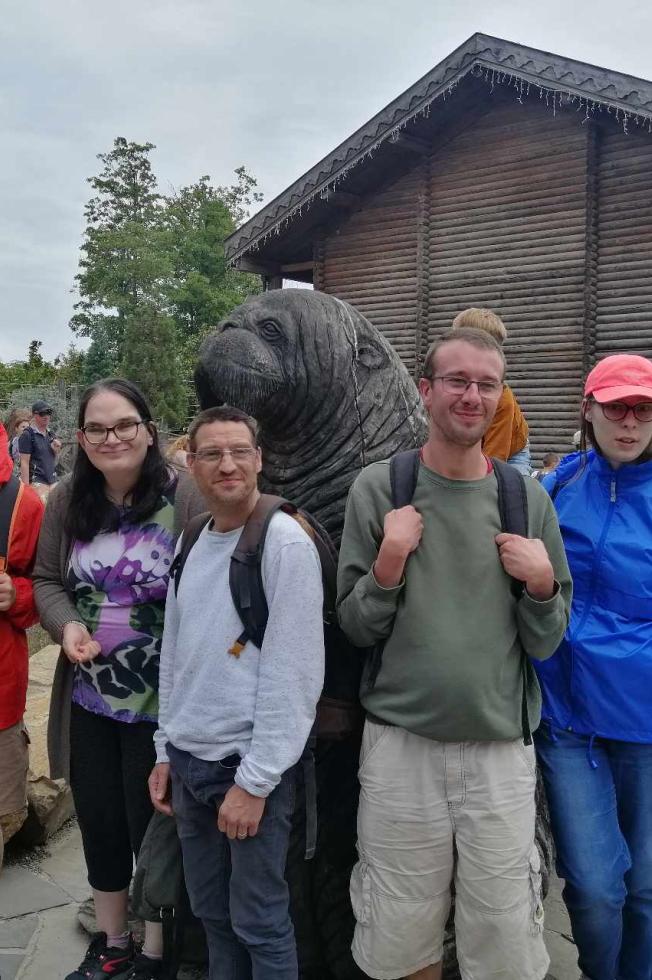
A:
[620,376]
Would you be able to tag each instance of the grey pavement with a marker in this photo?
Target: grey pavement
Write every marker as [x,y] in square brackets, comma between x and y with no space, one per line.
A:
[41,940]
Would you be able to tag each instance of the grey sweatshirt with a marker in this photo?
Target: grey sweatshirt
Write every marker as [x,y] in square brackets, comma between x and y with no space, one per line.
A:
[260,705]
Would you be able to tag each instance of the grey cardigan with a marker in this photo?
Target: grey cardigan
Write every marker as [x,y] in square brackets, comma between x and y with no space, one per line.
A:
[56,604]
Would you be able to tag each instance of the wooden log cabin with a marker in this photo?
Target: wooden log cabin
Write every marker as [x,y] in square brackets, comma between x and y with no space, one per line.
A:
[507,177]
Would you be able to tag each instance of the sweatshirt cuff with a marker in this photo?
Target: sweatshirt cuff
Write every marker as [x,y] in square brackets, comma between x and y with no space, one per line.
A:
[370,587]
[541,606]
[255,785]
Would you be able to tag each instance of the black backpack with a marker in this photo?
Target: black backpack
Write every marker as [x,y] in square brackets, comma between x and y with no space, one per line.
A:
[513,511]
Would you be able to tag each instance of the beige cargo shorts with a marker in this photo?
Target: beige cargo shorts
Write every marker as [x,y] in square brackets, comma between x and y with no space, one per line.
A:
[419,799]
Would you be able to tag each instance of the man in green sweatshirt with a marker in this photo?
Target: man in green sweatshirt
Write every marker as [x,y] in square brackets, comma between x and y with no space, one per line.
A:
[443,763]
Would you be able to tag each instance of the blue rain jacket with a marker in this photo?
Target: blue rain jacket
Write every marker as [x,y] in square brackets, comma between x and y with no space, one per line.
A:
[599,681]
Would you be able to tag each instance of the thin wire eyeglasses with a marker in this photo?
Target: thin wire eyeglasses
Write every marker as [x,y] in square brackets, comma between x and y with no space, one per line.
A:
[454,385]
[239,454]
[125,431]
[617,411]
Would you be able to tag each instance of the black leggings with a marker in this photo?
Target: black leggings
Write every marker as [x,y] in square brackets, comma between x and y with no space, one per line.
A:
[109,765]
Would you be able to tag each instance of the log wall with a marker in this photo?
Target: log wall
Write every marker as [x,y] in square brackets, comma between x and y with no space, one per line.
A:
[624,253]
[370,260]
[546,220]
[507,231]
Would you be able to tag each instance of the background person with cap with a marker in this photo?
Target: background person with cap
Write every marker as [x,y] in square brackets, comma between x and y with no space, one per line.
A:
[38,448]
[595,740]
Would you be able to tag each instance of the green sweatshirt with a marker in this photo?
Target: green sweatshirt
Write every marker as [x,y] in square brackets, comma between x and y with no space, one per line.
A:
[452,662]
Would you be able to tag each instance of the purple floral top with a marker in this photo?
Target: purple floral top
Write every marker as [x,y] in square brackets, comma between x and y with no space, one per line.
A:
[120,581]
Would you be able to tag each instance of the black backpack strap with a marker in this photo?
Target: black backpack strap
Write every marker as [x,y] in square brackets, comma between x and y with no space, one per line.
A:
[403,475]
[310,790]
[191,532]
[9,495]
[513,509]
[245,572]
[512,498]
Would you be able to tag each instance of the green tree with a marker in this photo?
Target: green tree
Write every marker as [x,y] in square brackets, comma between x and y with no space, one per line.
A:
[153,277]
[125,255]
[71,366]
[151,360]
[202,288]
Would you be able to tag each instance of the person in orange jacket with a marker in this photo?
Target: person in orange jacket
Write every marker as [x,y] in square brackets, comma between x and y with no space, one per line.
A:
[507,436]
[17,613]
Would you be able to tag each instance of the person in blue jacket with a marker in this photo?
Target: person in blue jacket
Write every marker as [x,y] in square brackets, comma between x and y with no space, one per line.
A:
[595,741]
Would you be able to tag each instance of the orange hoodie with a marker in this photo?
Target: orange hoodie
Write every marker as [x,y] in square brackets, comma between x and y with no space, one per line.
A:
[13,623]
[508,432]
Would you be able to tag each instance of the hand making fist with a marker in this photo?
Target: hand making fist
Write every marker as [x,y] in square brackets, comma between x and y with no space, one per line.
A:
[526,559]
[403,529]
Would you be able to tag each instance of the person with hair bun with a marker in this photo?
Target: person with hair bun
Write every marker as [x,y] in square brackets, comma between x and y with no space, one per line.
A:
[100,583]
[595,741]
[507,437]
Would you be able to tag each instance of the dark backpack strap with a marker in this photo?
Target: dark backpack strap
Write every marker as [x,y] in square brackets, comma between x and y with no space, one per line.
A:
[245,572]
[169,963]
[403,475]
[9,495]
[191,532]
[512,498]
[310,791]
[513,509]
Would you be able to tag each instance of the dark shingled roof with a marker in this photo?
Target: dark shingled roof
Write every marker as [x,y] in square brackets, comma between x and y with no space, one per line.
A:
[489,57]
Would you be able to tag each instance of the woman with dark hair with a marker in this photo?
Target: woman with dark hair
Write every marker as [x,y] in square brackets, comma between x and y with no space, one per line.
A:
[100,582]
[595,740]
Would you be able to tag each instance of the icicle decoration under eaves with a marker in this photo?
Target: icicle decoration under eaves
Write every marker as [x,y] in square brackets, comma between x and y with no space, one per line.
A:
[555,98]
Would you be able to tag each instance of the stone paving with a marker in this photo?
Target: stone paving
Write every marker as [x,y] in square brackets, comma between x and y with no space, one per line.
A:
[41,940]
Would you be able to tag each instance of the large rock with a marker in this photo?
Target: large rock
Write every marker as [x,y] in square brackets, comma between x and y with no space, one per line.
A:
[49,800]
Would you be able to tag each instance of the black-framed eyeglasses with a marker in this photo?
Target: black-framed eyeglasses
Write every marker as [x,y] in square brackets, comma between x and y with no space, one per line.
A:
[617,411]
[454,385]
[124,431]
[239,454]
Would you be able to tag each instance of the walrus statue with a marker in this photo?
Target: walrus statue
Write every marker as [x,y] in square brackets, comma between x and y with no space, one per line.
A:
[330,393]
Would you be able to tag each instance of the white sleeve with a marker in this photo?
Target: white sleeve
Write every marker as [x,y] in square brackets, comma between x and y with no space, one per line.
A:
[291,673]
[166,668]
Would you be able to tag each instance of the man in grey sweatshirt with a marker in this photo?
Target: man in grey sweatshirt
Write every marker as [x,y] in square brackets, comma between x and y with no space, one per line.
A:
[232,726]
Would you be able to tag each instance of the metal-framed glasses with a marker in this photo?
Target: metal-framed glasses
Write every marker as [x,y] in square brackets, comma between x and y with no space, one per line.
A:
[454,385]
[617,411]
[239,454]
[125,431]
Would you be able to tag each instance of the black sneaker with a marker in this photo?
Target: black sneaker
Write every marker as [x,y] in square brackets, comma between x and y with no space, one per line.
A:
[144,968]
[102,961]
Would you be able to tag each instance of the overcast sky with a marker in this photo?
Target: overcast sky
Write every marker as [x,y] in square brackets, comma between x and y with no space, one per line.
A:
[273,86]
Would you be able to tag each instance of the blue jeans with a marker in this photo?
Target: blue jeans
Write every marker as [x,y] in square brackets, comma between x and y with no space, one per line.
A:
[522,460]
[600,798]
[236,887]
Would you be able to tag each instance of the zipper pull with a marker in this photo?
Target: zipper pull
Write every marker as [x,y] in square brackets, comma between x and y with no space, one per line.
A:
[612,498]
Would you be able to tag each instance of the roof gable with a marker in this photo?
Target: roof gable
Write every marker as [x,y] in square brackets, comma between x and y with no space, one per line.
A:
[559,81]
